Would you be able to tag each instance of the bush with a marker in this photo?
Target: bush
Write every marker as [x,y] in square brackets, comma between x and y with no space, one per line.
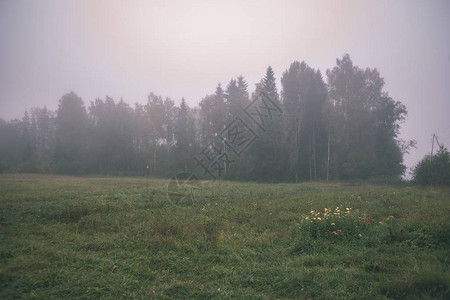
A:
[433,170]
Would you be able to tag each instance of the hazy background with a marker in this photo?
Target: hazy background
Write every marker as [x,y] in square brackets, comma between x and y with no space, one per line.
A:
[127,49]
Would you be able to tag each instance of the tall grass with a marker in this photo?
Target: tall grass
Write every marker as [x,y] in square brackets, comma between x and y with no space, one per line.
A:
[79,237]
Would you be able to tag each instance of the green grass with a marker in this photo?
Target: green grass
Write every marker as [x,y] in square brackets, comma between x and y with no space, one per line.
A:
[83,237]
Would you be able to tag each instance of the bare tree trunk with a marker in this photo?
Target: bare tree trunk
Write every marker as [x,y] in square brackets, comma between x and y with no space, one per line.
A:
[154,161]
[328,157]
[225,165]
[310,158]
[168,157]
[296,153]
[314,154]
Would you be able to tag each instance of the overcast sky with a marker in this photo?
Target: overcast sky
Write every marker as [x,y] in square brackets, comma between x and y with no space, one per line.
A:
[127,49]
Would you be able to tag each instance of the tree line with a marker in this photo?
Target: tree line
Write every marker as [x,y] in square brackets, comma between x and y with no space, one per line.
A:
[343,127]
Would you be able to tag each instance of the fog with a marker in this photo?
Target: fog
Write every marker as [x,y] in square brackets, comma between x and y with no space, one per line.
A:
[127,49]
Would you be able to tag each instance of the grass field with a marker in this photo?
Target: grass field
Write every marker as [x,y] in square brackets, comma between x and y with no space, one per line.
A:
[83,237]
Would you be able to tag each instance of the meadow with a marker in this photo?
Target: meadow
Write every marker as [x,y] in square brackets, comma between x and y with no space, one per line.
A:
[114,237]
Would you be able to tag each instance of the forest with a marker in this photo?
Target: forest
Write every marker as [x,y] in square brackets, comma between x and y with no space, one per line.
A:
[341,127]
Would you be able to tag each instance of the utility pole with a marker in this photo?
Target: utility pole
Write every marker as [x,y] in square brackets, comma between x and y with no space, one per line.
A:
[440,146]
[432,145]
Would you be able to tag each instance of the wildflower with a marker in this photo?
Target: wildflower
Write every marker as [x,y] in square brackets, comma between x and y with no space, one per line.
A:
[339,231]
[332,224]
[381,222]
[360,235]
[319,218]
[335,233]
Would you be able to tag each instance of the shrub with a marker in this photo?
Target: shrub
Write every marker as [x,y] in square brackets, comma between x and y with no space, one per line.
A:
[433,170]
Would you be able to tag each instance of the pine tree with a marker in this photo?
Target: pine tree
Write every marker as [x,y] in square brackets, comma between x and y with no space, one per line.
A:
[213,114]
[219,90]
[270,86]
[181,135]
[71,134]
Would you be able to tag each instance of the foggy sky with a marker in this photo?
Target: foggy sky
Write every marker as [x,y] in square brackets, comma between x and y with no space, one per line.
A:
[127,49]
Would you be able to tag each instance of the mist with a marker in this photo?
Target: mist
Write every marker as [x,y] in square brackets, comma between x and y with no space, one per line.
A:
[206,149]
[176,49]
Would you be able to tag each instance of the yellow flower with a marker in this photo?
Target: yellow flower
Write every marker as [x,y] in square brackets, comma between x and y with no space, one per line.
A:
[319,218]
[360,235]
[332,224]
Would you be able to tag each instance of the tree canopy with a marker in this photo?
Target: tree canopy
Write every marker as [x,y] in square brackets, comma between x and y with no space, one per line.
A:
[341,127]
